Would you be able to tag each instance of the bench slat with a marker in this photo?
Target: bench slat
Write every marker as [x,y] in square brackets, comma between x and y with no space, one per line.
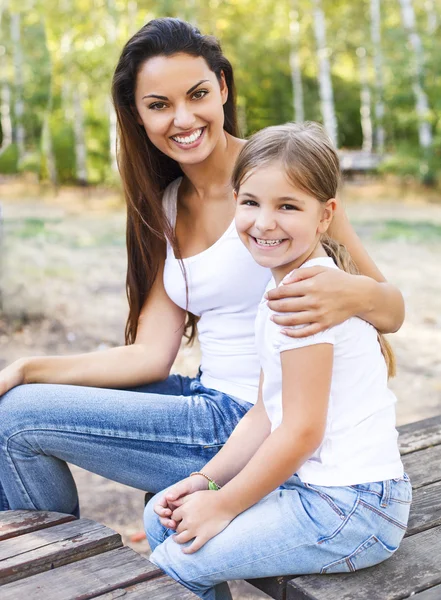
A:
[420,435]
[43,550]
[414,567]
[162,588]
[85,579]
[17,522]
[424,466]
[425,511]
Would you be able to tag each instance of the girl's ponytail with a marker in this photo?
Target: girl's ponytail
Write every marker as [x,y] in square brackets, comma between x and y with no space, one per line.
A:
[343,260]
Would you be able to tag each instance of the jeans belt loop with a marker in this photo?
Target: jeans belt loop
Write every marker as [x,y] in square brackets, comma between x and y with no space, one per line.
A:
[385,498]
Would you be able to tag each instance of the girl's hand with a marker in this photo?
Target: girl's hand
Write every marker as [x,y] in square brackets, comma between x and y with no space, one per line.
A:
[320,297]
[12,376]
[201,517]
[173,498]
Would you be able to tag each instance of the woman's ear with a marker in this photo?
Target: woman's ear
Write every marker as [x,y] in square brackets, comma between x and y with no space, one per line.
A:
[223,87]
[327,215]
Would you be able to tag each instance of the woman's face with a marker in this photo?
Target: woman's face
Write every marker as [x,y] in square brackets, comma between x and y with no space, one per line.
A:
[180,104]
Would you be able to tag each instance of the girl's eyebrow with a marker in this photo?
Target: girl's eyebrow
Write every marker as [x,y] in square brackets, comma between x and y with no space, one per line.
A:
[187,93]
[291,199]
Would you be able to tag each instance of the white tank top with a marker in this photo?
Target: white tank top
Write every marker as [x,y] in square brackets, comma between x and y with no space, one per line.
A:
[225,287]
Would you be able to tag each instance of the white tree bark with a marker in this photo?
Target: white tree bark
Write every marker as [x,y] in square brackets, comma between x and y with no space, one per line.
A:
[294,61]
[365,101]
[378,69]
[132,10]
[421,100]
[18,81]
[5,105]
[111,40]
[80,138]
[324,73]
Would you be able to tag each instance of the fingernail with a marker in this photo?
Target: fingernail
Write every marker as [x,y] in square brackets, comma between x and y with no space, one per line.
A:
[266,295]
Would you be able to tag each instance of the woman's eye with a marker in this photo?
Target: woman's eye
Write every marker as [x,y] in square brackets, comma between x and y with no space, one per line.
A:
[199,94]
[157,106]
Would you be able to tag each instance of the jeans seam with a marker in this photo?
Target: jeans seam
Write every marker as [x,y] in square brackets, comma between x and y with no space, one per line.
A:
[343,524]
[381,514]
[16,472]
[328,500]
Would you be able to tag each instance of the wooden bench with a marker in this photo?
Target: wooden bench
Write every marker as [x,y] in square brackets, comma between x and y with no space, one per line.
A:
[52,556]
[415,569]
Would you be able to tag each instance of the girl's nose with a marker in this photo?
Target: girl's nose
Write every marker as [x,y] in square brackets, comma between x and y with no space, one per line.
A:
[184,118]
[265,221]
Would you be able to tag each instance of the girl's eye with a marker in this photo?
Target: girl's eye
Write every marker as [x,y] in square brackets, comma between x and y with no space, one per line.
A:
[199,94]
[249,203]
[289,207]
[157,106]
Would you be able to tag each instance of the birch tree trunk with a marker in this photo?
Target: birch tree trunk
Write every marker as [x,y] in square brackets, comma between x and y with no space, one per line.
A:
[111,40]
[294,61]
[365,101]
[421,101]
[5,107]
[378,69]
[18,84]
[80,138]
[432,16]
[324,73]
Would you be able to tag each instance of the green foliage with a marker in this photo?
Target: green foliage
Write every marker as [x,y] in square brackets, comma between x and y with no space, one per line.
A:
[9,160]
[67,45]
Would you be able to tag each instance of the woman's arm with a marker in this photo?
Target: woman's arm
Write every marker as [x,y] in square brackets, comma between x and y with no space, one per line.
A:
[325,297]
[160,330]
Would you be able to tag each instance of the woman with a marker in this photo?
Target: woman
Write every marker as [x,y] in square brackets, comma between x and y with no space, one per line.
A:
[118,413]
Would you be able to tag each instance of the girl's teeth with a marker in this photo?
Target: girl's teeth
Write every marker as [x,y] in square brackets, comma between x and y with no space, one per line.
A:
[189,139]
[268,242]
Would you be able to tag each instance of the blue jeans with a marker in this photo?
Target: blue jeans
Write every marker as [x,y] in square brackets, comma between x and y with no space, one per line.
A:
[148,437]
[297,529]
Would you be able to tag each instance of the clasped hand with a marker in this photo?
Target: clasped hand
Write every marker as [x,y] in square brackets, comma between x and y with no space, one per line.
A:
[194,512]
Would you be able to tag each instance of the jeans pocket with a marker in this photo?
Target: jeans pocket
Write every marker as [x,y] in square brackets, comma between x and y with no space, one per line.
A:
[369,553]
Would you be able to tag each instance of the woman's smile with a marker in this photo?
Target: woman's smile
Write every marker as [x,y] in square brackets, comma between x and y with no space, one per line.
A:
[189,140]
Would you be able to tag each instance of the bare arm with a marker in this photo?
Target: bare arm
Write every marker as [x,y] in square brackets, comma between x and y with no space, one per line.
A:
[149,359]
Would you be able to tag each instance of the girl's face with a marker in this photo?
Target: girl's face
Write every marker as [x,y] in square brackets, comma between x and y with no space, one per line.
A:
[180,104]
[279,223]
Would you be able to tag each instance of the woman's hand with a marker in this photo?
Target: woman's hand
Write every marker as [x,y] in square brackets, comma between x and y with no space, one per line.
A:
[320,297]
[201,517]
[12,376]
[173,498]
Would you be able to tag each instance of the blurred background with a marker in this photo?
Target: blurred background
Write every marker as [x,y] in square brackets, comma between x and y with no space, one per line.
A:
[370,70]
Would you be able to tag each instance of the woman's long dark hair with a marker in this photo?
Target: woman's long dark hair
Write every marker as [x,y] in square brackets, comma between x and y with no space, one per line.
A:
[145,170]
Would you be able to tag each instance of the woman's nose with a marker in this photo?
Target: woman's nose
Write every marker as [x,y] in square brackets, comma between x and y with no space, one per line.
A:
[184,118]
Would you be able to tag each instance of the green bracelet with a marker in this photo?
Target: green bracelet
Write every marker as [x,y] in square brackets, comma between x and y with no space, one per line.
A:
[212,485]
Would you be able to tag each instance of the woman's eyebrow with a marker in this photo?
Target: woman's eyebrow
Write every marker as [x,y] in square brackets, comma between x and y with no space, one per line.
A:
[165,97]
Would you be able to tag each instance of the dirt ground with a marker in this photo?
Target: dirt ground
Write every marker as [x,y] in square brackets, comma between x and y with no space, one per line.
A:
[62,267]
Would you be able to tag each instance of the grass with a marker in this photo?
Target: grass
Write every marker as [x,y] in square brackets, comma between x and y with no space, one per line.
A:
[394,229]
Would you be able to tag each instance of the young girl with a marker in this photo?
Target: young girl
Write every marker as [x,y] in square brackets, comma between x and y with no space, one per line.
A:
[311,479]
[119,412]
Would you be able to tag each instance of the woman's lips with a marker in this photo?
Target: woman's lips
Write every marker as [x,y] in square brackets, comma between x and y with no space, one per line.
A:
[189,145]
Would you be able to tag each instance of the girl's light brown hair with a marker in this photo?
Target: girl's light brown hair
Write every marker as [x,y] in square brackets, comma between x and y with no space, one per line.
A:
[310,160]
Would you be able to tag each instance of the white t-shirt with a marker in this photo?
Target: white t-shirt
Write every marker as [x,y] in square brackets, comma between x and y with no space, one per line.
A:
[360,440]
[225,286]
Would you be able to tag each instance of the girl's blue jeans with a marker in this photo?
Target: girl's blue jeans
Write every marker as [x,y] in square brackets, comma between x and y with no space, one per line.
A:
[148,437]
[297,529]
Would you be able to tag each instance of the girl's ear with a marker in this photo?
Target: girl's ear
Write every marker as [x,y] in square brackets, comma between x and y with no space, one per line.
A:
[327,215]
[223,87]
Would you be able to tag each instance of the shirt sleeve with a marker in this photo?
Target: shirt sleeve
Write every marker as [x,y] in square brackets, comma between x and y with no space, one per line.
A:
[282,342]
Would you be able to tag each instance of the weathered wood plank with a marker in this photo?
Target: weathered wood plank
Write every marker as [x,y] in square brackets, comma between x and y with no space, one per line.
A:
[425,511]
[275,587]
[162,588]
[414,567]
[18,522]
[85,579]
[43,550]
[424,466]
[420,435]
[430,594]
